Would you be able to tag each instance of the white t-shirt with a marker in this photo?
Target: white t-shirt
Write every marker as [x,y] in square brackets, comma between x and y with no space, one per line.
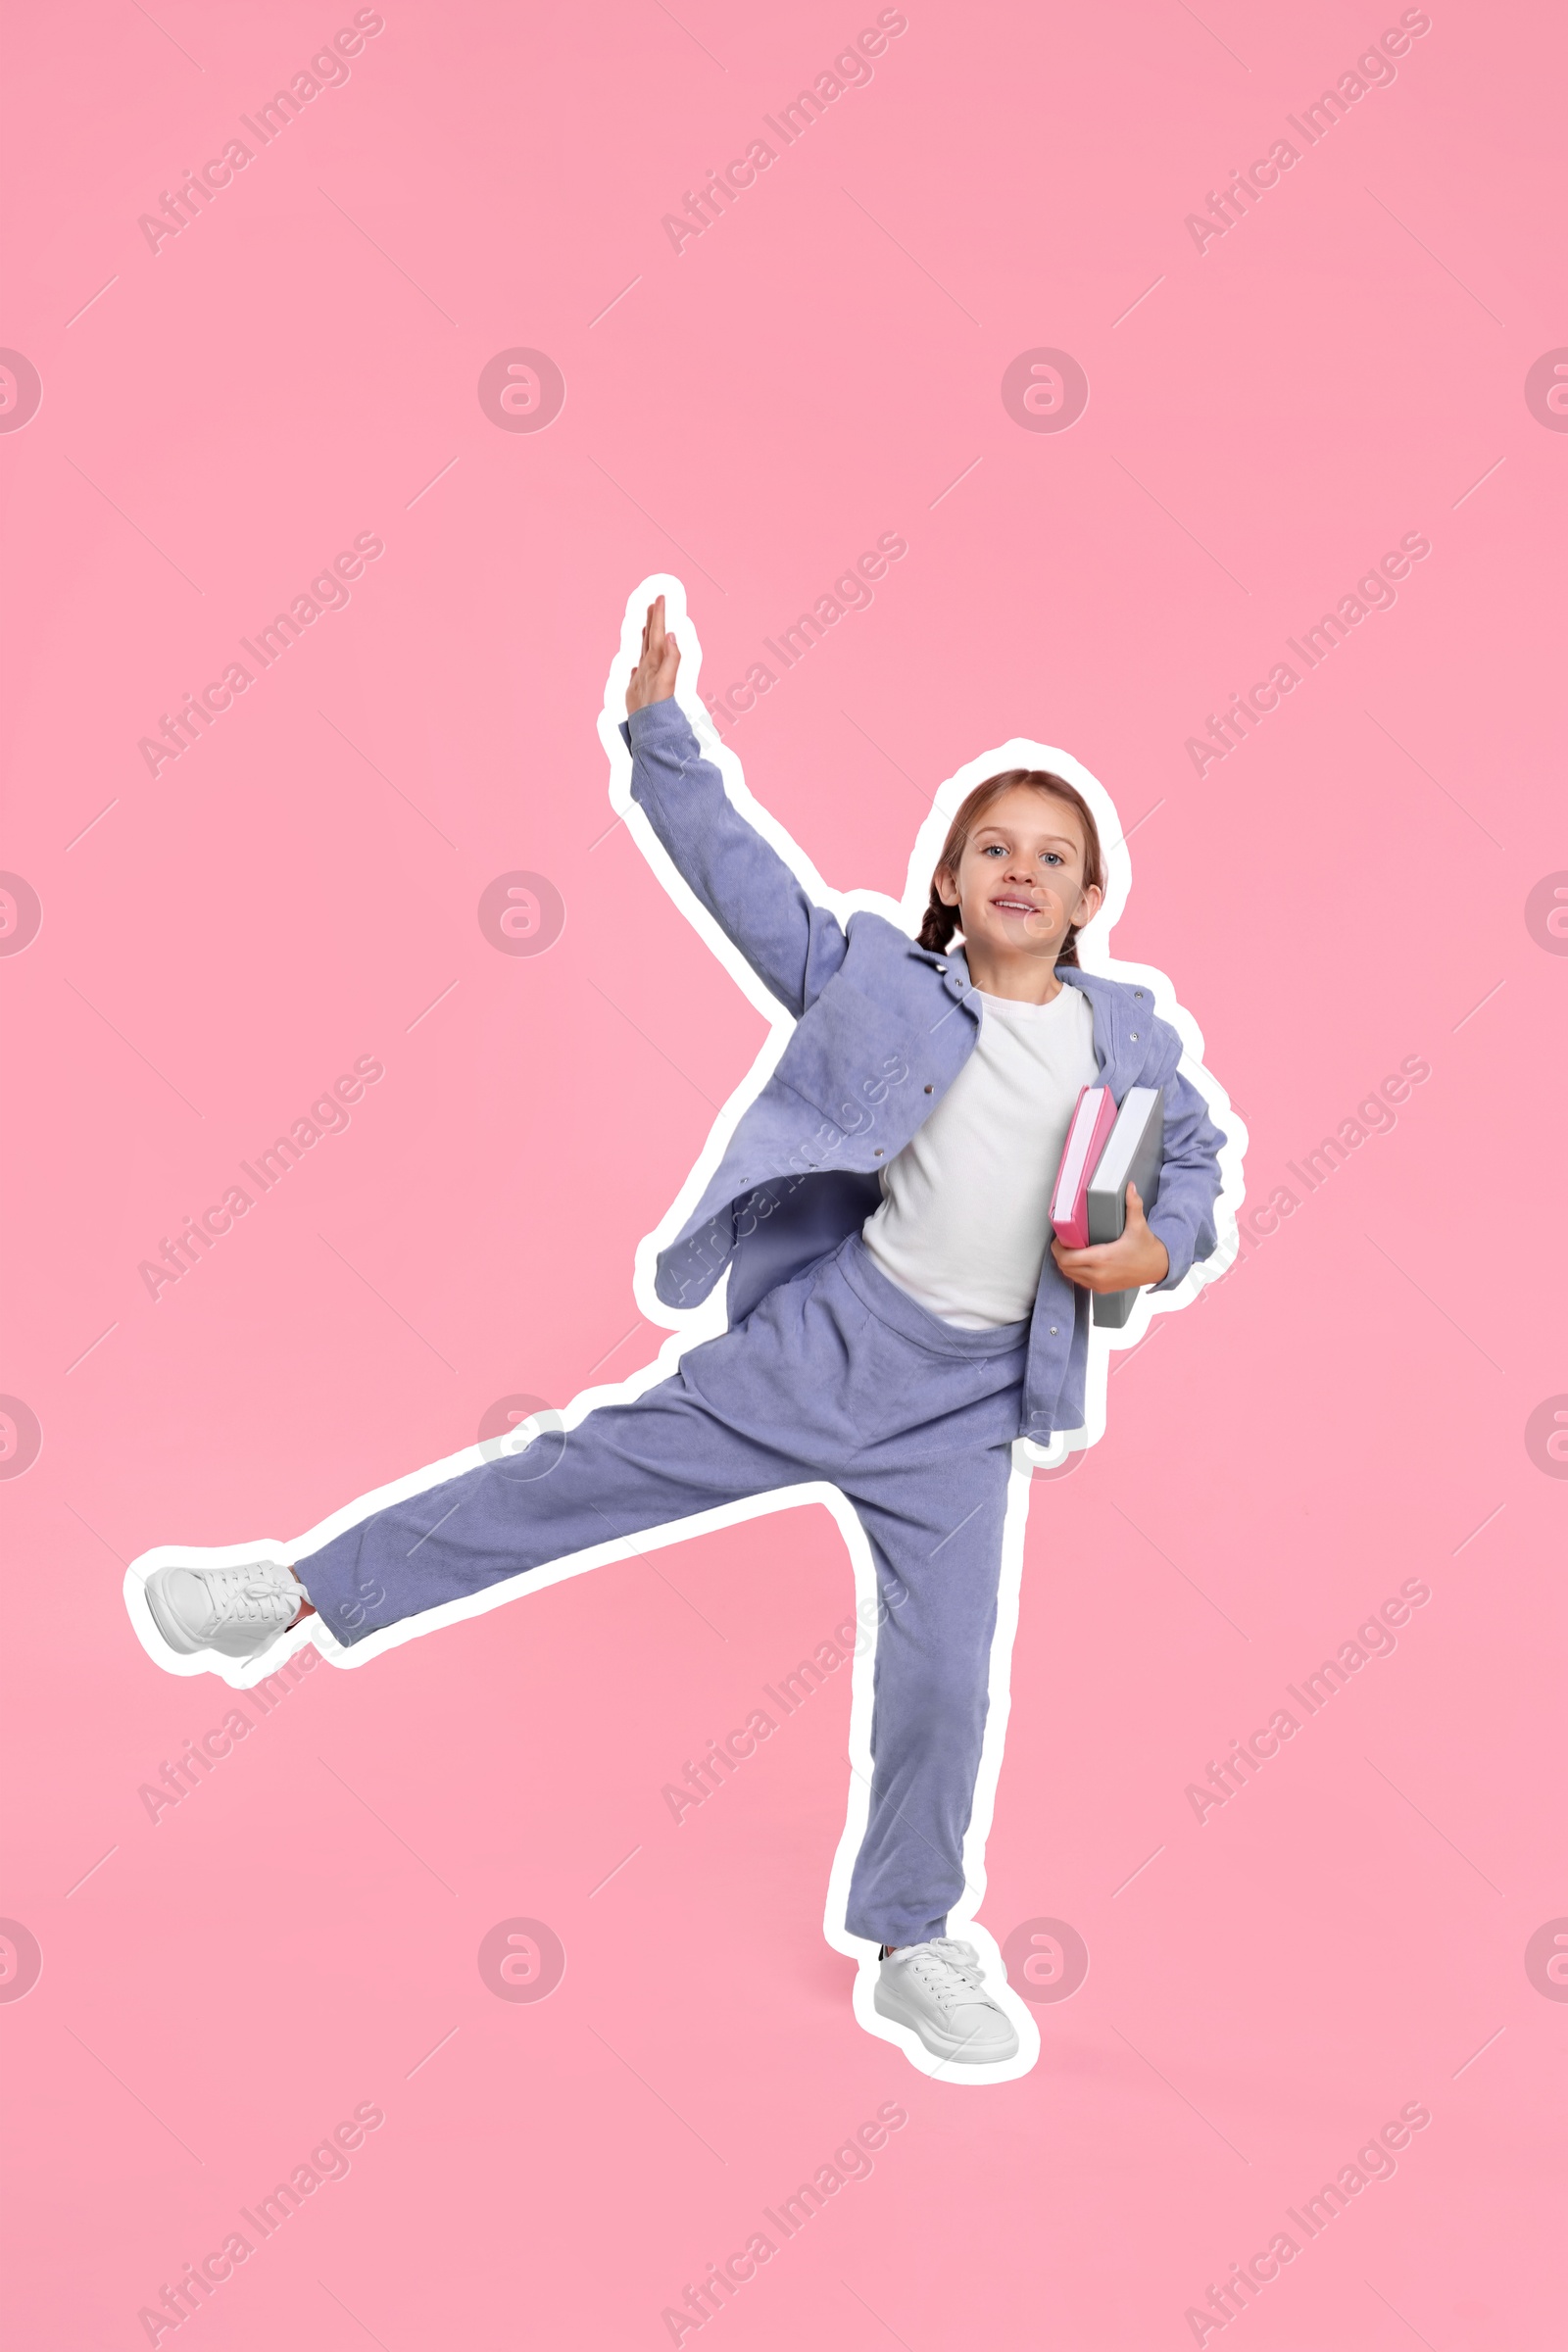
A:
[964,1221]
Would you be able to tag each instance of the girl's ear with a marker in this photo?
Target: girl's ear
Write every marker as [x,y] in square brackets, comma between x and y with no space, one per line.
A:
[1089,906]
[946,888]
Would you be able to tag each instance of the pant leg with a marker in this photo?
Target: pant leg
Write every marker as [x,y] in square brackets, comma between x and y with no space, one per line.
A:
[836,1375]
[661,1457]
[937,1545]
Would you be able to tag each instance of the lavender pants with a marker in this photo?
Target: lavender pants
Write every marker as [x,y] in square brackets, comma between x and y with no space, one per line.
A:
[837,1375]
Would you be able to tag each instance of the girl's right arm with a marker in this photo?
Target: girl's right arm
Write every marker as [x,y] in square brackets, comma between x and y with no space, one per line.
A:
[794,946]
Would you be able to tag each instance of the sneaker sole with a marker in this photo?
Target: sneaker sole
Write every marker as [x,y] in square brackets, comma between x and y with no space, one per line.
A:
[945,2045]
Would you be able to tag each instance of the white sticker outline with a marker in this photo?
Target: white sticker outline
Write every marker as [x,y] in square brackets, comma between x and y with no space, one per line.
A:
[688,1327]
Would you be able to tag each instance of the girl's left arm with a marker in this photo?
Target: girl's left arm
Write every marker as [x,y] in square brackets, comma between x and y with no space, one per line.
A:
[1183,1216]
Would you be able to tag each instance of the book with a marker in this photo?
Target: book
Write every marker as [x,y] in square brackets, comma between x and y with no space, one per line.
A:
[1132,1155]
[1094,1116]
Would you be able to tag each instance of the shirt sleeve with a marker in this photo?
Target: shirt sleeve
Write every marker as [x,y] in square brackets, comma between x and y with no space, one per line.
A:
[794,946]
[1183,1217]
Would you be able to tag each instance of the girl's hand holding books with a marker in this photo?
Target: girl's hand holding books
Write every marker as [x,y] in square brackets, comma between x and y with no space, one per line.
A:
[1137,1260]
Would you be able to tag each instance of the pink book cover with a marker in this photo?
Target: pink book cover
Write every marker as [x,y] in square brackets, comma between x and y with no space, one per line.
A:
[1093,1119]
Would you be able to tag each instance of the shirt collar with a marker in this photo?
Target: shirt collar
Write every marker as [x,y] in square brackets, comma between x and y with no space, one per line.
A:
[953,963]
[1111,1025]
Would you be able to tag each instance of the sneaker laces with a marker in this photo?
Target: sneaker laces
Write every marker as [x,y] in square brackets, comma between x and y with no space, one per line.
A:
[244,1596]
[949,1969]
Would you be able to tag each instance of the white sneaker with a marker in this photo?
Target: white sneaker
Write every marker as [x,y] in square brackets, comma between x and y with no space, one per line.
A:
[935,1988]
[241,1612]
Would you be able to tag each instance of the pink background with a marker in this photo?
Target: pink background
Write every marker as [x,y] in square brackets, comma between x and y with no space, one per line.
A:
[1344,1411]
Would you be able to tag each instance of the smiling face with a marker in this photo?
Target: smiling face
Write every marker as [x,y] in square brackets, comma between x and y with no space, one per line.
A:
[1020,886]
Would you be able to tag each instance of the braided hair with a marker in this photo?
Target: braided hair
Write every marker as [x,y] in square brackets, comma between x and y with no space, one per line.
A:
[940,920]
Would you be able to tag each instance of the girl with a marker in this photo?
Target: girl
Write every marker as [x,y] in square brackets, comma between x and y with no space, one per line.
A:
[899,1315]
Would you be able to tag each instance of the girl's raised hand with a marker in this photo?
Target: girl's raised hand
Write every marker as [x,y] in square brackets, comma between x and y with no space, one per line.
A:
[653,678]
[1139,1258]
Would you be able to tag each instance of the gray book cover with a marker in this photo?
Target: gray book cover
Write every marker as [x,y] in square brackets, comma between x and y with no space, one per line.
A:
[1133,1152]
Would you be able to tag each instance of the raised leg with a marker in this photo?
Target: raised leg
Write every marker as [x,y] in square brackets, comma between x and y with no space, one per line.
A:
[663,1456]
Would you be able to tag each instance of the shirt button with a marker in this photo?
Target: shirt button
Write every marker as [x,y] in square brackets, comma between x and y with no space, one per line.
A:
[1135,1037]
[878,1154]
[928,1089]
[1138,991]
[1053,1331]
